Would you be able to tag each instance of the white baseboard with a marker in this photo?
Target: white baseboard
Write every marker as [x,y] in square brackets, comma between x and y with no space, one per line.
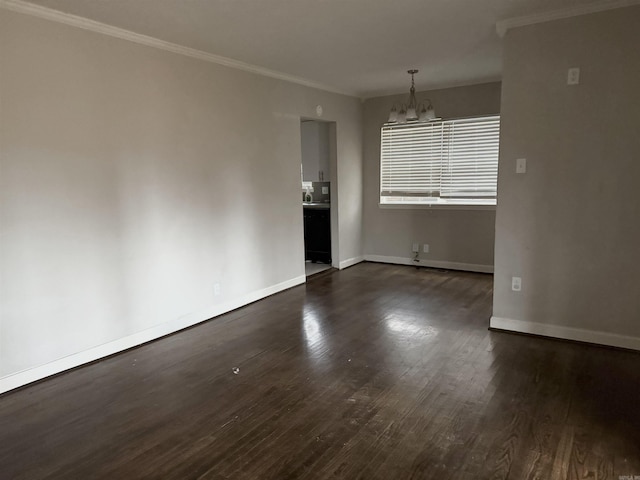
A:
[351,261]
[25,377]
[468,267]
[566,333]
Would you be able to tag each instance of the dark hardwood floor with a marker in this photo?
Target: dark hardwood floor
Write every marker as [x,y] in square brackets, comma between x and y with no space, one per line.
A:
[374,372]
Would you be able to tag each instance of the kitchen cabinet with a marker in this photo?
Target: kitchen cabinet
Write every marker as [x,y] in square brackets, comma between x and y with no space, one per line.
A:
[317,234]
[315,151]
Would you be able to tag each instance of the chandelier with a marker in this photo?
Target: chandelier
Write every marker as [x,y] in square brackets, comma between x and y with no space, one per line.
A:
[412,111]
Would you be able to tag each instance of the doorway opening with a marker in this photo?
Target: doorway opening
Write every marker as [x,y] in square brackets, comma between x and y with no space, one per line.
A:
[319,201]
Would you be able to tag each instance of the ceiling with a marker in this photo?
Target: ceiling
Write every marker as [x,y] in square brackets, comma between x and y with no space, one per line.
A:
[360,47]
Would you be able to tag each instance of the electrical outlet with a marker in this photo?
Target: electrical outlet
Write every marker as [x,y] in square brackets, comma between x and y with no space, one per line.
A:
[425,248]
[573,76]
[216,289]
[325,190]
[516,284]
[415,248]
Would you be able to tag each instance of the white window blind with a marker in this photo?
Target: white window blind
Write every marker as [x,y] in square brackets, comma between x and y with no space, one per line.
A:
[451,161]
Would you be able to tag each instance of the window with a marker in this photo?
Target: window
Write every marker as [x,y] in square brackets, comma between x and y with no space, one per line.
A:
[450,162]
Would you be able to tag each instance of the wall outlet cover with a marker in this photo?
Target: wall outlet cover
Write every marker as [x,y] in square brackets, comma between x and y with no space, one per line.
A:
[516,284]
[573,76]
[415,248]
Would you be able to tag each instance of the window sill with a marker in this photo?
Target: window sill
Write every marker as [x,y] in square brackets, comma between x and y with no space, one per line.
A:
[434,206]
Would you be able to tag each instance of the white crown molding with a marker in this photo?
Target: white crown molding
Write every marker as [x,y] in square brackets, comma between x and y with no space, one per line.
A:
[420,89]
[503,25]
[27,8]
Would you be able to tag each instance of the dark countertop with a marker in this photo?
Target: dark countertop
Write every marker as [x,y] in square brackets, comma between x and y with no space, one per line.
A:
[316,206]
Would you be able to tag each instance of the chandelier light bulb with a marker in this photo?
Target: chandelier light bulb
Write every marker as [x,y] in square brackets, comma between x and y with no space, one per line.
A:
[412,111]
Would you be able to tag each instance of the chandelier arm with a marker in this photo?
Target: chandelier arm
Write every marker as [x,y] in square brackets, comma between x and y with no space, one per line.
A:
[413,110]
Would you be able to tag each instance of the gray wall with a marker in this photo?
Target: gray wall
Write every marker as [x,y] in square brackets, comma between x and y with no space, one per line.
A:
[134,179]
[463,237]
[569,226]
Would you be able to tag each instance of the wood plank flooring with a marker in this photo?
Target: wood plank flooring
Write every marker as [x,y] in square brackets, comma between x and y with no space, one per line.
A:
[373,372]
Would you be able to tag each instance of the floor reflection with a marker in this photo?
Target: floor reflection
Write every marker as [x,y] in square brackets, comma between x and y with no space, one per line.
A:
[313,332]
[407,326]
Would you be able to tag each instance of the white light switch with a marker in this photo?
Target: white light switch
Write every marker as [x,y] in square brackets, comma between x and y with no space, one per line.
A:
[573,76]
[521,165]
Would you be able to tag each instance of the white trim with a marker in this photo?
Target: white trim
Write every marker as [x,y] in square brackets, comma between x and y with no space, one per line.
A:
[350,261]
[566,333]
[434,206]
[503,25]
[25,377]
[27,8]
[467,267]
[433,86]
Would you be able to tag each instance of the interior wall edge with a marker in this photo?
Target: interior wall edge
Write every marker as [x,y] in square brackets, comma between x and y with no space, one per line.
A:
[25,377]
[565,333]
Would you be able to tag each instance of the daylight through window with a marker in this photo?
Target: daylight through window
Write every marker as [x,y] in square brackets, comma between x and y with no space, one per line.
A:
[450,162]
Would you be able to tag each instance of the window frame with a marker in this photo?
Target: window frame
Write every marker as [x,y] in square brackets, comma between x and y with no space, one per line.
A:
[446,130]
